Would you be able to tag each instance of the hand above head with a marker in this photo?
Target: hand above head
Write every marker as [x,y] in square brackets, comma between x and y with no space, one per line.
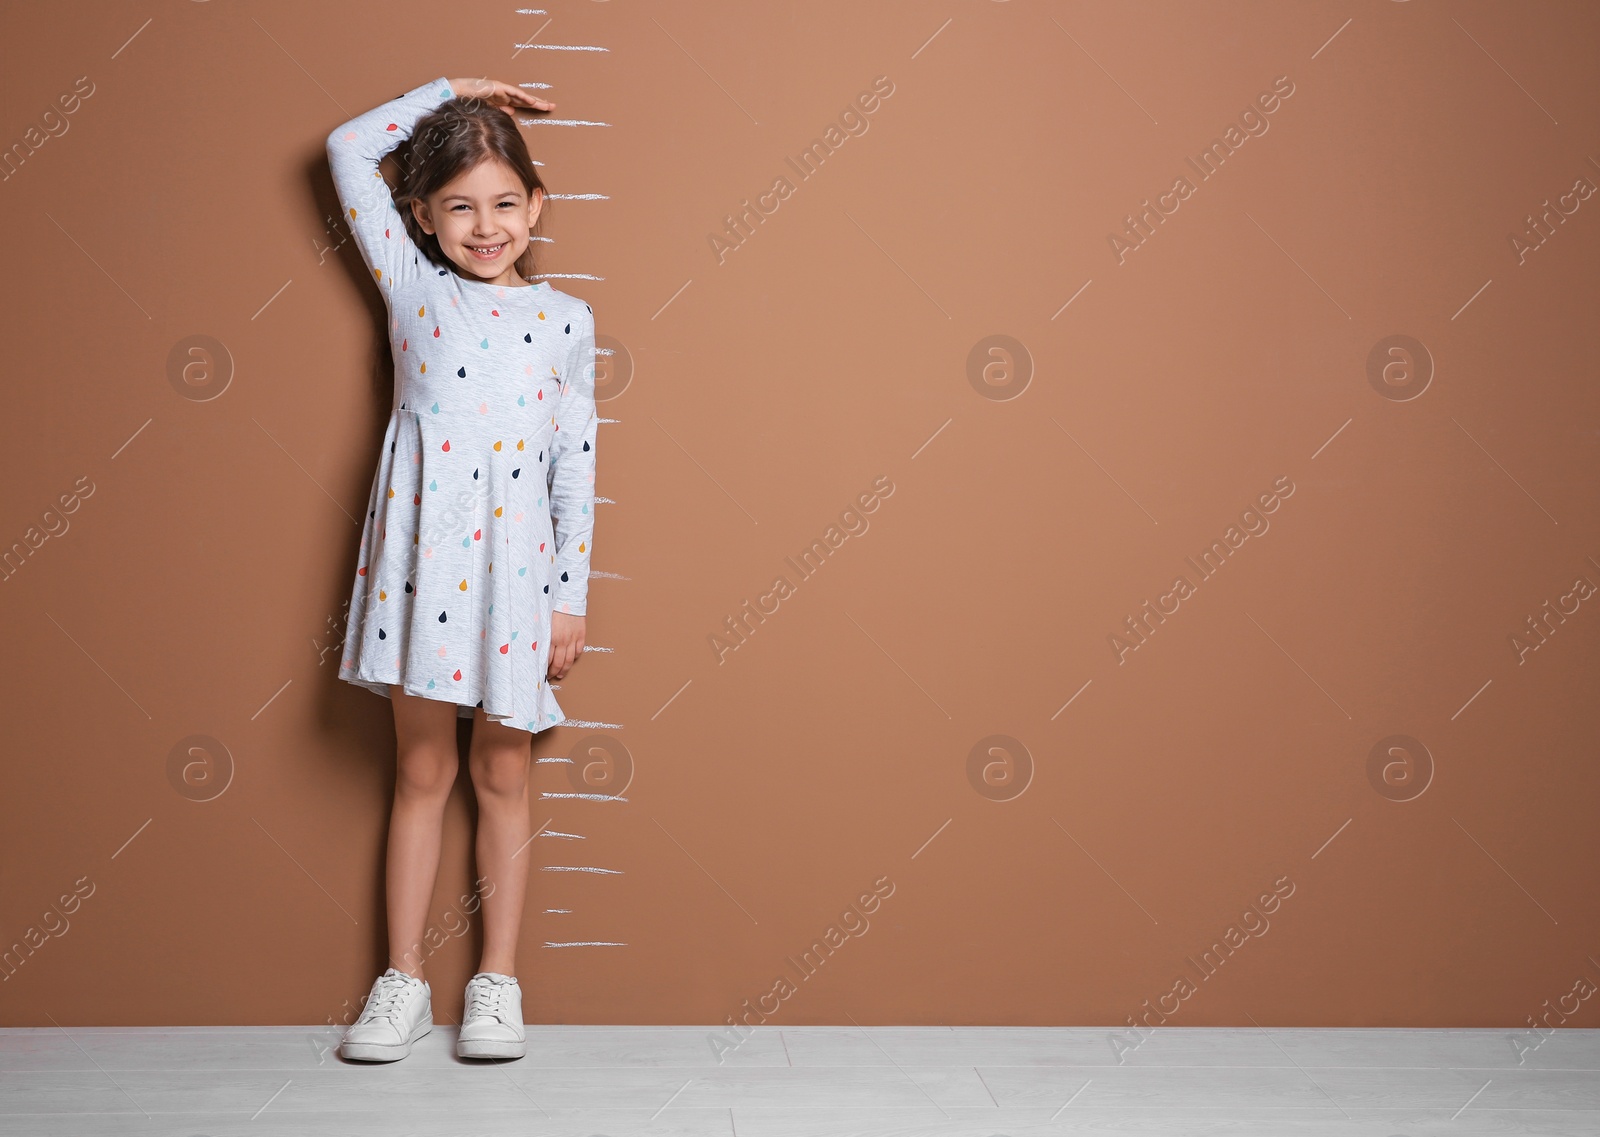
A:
[498,94]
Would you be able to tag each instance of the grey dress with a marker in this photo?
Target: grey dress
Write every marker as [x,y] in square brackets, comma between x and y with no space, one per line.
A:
[481,515]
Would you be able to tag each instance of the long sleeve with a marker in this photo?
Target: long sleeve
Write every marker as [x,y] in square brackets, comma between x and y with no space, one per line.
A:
[354,151]
[571,477]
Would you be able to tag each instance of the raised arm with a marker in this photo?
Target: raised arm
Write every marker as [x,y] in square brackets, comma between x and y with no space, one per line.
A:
[354,151]
[571,478]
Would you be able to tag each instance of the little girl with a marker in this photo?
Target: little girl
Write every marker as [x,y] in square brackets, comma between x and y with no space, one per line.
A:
[472,578]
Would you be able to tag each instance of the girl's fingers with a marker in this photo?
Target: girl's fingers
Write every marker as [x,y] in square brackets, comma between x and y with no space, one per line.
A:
[498,93]
[516,94]
[506,96]
[511,99]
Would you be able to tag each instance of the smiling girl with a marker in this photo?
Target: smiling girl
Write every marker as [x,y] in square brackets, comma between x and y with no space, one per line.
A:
[471,582]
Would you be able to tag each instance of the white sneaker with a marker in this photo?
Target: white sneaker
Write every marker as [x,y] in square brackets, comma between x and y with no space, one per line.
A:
[398,1011]
[492,1024]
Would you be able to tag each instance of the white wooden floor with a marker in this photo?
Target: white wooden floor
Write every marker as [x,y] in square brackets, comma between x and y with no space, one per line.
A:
[803,1082]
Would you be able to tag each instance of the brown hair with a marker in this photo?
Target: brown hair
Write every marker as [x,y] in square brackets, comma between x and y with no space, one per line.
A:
[450,140]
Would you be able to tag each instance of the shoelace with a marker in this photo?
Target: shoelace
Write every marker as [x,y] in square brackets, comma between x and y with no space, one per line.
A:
[384,1002]
[486,997]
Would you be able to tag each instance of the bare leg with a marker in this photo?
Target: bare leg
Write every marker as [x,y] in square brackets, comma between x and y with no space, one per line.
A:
[426,764]
[498,761]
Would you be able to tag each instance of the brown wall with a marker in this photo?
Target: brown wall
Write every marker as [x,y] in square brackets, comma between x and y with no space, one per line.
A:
[941,305]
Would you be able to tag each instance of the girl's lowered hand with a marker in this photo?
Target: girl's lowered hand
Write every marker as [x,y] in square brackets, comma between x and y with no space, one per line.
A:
[498,94]
[566,643]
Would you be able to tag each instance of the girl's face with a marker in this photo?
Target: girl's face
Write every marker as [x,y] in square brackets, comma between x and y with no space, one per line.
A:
[482,219]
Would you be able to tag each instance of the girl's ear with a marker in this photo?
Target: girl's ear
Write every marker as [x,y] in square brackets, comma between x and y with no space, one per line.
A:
[535,204]
[419,210]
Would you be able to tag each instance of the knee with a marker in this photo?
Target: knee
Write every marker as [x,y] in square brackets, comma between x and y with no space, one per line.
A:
[500,773]
[426,772]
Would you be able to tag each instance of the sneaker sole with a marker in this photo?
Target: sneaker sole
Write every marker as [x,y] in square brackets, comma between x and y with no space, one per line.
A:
[383,1051]
[489,1048]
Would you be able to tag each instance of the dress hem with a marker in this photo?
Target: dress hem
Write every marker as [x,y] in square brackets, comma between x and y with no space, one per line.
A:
[381,687]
